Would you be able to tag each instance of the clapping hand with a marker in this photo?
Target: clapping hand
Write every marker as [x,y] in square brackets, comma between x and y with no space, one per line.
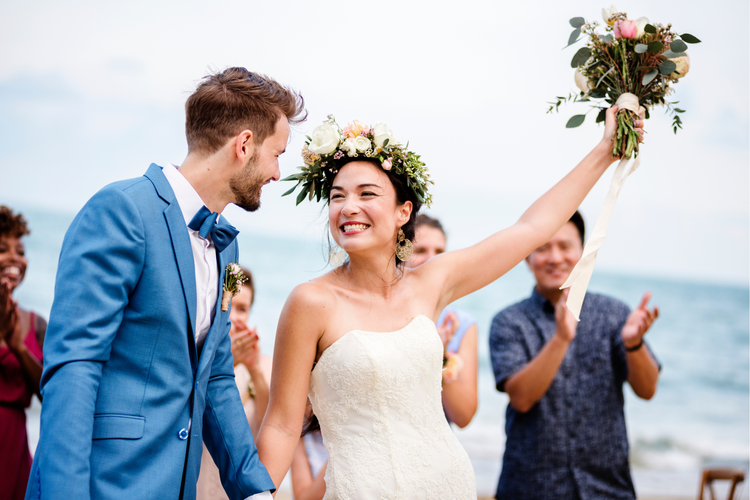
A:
[566,322]
[245,344]
[638,323]
[8,313]
[448,328]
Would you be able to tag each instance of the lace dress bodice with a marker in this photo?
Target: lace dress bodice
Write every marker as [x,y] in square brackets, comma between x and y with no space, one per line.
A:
[377,397]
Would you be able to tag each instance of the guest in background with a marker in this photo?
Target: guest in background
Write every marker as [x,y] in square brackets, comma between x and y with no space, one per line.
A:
[457,328]
[310,462]
[565,425]
[252,373]
[21,338]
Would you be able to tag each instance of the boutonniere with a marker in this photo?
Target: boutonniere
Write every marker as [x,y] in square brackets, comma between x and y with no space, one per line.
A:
[233,280]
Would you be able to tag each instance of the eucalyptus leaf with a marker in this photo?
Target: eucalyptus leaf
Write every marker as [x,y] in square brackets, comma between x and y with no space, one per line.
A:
[602,116]
[385,142]
[678,46]
[580,57]
[605,38]
[291,190]
[641,48]
[302,194]
[667,67]
[575,121]
[655,47]
[649,28]
[577,22]
[678,110]
[673,55]
[649,76]
[574,36]
[687,37]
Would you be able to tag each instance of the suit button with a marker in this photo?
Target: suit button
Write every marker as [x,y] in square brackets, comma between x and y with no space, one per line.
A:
[183,434]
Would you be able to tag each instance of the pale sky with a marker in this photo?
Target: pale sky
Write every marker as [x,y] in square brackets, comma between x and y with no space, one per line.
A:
[92,92]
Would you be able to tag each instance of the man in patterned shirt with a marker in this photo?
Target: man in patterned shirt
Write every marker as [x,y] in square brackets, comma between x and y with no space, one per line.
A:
[565,426]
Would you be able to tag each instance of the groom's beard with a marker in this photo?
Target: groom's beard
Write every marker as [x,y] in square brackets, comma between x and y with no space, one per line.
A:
[246,187]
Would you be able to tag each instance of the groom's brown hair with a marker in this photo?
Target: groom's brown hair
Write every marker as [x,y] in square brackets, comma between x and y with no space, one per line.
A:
[233,100]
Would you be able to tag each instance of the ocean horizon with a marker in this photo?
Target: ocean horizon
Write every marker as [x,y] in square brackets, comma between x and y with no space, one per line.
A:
[700,415]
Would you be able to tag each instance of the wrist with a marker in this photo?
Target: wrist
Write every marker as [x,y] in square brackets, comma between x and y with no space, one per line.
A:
[254,370]
[18,350]
[563,339]
[633,346]
[603,152]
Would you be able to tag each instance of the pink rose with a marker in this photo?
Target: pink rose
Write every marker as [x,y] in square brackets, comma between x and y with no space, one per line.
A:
[387,164]
[626,29]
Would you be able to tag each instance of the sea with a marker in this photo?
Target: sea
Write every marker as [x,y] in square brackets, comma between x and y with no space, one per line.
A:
[699,417]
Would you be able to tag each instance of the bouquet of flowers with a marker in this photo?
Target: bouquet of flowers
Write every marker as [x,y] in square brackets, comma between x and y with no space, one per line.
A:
[633,64]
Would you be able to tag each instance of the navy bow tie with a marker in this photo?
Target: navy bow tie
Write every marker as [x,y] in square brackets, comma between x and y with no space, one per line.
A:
[222,233]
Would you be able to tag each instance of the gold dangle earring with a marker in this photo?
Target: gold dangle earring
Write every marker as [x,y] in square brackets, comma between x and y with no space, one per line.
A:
[336,256]
[404,248]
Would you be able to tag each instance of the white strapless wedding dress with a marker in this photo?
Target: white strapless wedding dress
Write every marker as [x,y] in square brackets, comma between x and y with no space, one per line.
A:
[377,397]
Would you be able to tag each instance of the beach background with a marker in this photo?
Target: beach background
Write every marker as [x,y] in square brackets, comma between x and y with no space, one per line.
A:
[93,92]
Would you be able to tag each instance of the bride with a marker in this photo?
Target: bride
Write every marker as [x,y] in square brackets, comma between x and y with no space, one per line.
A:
[361,342]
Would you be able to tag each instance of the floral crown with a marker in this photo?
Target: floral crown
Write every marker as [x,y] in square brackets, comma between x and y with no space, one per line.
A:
[330,147]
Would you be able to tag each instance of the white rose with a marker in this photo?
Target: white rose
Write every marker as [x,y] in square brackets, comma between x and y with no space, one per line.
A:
[683,66]
[582,82]
[325,139]
[607,13]
[350,147]
[381,133]
[362,143]
[640,23]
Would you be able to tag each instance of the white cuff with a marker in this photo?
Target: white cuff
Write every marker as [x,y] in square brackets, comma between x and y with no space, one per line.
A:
[266,495]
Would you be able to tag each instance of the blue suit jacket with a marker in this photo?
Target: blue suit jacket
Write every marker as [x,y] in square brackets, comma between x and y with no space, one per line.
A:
[127,396]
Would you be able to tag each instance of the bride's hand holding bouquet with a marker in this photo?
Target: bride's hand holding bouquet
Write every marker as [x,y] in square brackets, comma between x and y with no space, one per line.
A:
[634,66]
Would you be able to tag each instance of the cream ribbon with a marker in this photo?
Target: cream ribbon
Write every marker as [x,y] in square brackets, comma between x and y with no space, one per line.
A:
[579,278]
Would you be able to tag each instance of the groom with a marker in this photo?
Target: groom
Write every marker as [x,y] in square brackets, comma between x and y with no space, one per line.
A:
[138,368]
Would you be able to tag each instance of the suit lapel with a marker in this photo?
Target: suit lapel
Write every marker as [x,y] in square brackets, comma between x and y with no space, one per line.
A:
[182,248]
[217,324]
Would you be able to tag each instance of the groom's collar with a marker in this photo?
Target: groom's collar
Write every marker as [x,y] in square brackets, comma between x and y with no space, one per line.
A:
[168,190]
[187,197]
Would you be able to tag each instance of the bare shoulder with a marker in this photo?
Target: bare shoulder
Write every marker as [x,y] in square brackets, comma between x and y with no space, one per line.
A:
[308,308]
[316,295]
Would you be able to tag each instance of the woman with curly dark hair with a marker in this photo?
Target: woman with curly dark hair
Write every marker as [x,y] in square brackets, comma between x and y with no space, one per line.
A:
[21,339]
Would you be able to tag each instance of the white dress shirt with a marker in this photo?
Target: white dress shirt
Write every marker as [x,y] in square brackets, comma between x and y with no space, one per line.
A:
[206,264]
[204,253]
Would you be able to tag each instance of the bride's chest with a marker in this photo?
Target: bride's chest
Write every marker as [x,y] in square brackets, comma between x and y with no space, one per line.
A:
[383,359]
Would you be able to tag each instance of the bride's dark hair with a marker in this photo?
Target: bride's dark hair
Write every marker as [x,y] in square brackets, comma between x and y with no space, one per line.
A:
[403,194]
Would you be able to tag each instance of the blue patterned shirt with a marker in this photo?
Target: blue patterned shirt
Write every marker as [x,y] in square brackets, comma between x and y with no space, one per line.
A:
[573,442]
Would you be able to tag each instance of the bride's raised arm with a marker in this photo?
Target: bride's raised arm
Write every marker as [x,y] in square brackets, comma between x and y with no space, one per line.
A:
[462,272]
